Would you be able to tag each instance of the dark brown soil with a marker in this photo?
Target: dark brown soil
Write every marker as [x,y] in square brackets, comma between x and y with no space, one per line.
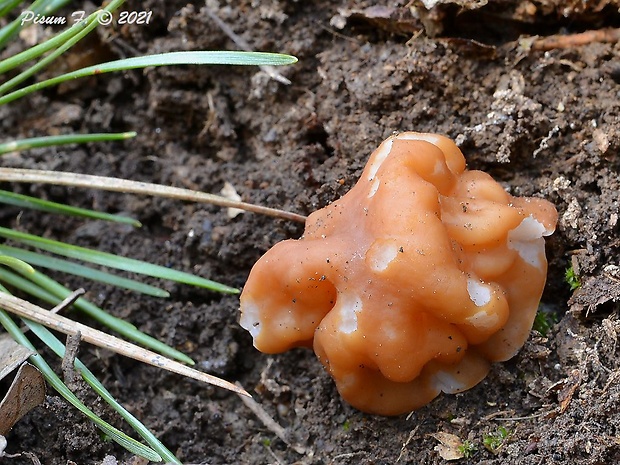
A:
[544,123]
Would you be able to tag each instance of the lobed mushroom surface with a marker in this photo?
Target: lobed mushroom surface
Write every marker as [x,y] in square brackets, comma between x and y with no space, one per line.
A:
[411,284]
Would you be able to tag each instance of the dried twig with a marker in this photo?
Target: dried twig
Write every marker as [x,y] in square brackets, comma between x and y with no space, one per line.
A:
[71,350]
[528,417]
[610,35]
[69,300]
[60,323]
[271,424]
[412,434]
[137,187]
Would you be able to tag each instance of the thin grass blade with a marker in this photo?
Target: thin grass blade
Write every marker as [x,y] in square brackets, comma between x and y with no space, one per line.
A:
[49,6]
[25,201]
[8,5]
[47,141]
[25,309]
[37,360]
[76,269]
[10,30]
[163,59]
[114,261]
[58,347]
[16,264]
[89,24]
[45,288]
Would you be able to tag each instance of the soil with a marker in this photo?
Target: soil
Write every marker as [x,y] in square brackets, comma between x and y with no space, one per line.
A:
[542,122]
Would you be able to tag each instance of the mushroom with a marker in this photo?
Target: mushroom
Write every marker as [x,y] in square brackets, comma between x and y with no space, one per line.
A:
[411,284]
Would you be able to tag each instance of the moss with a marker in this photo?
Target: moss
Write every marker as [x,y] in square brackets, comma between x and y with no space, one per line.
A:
[346,426]
[572,279]
[543,321]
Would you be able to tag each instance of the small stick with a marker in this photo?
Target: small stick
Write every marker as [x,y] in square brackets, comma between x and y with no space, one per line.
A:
[412,434]
[71,350]
[609,35]
[270,423]
[98,338]
[529,417]
[137,187]
[69,300]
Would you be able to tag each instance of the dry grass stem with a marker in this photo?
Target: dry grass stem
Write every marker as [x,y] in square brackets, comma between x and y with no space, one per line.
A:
[271,424]
[64,325]
[136,187]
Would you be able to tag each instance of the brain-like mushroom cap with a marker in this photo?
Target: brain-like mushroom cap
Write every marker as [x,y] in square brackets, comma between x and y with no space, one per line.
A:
[411,283]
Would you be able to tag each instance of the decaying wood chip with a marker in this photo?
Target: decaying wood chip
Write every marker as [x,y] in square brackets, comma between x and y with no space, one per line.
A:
[471,48]
[450,446]
[566,389]
[12,355]
[71,349]
[466,4]
[26,392]
[390,19]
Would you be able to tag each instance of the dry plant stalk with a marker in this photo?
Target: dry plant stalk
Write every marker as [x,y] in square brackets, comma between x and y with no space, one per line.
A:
[609,35]
[98,338]
[136,187]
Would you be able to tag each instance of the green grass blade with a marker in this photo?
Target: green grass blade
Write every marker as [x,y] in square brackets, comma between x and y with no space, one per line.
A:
[46,336]
[163,59]
[76,269]
[37,360]
[33,203]
[8,5]
[39,6]
[11,29]
[16,264]
[45,288]
[89,25]
[114,261]
[36,142]
[48,7]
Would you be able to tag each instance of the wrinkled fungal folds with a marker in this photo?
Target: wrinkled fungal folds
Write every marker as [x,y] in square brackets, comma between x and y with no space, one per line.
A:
[411,284]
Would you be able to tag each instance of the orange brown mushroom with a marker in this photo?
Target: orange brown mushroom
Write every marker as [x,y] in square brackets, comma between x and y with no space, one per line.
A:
[409,285]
